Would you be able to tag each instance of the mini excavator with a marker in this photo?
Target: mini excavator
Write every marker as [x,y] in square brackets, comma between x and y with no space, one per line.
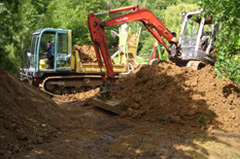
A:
[177,54]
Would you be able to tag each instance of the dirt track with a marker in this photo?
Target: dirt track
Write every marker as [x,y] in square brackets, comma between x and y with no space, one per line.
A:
[77,129]
[100,134]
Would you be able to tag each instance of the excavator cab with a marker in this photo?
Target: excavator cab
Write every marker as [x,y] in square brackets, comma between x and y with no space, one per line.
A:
[50,52]
[196,40]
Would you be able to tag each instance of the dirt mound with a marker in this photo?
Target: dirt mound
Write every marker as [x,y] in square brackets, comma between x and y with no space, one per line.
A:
[87,53]
[180,95]
[84,97]
[27,117]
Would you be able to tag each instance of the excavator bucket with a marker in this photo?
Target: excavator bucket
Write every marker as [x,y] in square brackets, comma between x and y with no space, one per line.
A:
[106,100]
[112,105]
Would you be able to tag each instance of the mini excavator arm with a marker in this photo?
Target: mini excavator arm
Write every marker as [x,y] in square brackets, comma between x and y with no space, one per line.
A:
[149,20]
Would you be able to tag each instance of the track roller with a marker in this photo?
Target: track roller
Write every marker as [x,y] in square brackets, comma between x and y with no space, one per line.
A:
[65,91]
[74,90]
[57,91]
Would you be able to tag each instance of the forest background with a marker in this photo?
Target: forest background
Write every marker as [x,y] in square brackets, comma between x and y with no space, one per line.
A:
[20,18]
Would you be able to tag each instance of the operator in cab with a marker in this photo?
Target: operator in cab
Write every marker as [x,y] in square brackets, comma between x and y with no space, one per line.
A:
[50,54]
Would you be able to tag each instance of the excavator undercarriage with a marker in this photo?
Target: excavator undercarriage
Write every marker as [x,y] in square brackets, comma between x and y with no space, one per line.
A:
[57,85]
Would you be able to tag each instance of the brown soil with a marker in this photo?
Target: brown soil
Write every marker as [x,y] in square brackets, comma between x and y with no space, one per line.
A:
[179,95]
[104,135]
[87,53]
[28,117]
[172,113]
[79,96]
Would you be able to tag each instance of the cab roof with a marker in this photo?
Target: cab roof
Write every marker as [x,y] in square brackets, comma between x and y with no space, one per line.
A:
[48,29]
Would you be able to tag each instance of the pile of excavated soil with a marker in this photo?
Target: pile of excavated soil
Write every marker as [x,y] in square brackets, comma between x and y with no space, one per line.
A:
[83,97]
[27,117]
[87,53]
[169,93]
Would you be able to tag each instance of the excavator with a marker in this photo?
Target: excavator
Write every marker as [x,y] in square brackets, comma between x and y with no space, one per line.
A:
[62,71]
[179,53]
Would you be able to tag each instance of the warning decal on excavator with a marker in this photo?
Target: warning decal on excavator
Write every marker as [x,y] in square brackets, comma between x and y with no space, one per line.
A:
[122,19]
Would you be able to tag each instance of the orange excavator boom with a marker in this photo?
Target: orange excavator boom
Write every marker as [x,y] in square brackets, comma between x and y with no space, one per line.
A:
[149,20]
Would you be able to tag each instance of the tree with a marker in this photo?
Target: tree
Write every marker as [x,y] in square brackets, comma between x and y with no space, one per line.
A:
[226,15]
[18,20]
[9,25]
[73,14]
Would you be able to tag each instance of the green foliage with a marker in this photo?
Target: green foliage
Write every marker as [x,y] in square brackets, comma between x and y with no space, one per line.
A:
[147,47]
[226,15]
[229,67]
[8,26]
[172,19]
[73,14]
[19,19]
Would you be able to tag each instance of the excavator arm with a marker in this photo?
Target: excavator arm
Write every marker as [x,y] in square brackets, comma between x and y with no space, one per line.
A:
[149,20]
